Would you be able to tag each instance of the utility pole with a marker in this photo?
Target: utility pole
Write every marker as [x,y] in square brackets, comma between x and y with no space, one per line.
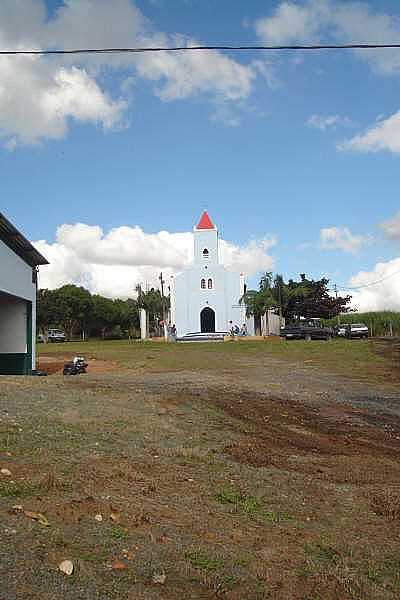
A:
[162,295]
[337,310]
[280,304]
[163,304]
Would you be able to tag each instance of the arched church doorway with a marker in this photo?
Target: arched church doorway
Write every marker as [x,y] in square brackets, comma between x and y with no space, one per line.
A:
[207,320]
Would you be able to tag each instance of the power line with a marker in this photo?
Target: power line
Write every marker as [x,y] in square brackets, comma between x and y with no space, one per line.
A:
[145,49]
[359,287]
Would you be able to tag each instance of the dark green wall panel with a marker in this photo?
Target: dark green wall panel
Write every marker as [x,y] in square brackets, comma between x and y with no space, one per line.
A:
[15,364]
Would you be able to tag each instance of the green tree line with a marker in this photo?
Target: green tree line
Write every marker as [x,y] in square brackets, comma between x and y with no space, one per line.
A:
[79,313]
[294,299]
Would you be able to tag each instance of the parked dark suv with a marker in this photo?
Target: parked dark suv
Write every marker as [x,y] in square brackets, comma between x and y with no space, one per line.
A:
[306,329]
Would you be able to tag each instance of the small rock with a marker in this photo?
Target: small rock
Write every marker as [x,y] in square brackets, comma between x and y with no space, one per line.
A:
[6,472]
[99,518]
[67,567]
[18,508]
[11,531]
[159,578]
[118,566]
[115,516]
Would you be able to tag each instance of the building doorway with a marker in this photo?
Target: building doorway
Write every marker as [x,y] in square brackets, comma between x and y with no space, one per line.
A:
[207,320]
[15,335]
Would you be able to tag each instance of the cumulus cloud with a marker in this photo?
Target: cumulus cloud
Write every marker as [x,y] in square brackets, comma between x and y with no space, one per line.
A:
[335,21]
[249,259]
[36,101]
[384,295]
[383,136]
[391,227]
[331,20]
[112,263]
[39,95]
[324,123]
[292,22]
[190,73]
[341,238]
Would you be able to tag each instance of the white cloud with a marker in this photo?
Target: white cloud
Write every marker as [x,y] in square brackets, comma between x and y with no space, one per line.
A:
[312,21]
[189,73]
[39,95]
[324,123]
[381,296]
[37,99]
[113,263]
[391,227]
[249,259]
[341,238]
[384,136]
[329,20]
[292,22]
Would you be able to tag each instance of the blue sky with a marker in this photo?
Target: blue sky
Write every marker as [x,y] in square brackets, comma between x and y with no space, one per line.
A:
[263,156]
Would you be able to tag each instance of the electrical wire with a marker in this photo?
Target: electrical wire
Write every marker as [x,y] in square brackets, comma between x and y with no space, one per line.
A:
[147,49]
[140,50]
[372,283]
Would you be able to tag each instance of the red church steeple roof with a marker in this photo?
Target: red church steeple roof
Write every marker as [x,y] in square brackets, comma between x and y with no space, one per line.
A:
[205,222]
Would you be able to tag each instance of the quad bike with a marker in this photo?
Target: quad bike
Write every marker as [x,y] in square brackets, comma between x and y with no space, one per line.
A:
[75,367]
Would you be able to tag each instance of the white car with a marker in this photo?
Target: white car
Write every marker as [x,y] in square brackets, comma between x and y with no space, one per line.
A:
[55,335]
[356,330]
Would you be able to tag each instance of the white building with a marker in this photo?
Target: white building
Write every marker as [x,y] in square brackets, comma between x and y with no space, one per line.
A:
[205,297]
[18,282]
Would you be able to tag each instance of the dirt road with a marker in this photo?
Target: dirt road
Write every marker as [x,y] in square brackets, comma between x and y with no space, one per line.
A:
[262,479]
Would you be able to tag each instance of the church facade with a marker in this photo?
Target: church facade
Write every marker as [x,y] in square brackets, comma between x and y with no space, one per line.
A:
[205,297]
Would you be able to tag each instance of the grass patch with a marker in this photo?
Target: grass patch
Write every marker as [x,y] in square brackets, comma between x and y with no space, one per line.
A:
[386,573]
[321,552]
[17,489]
[118,533]
[351,359]
[249,505]
[96,555]
[273,516]
[201,560]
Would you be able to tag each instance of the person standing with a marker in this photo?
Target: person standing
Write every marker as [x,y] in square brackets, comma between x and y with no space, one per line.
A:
[173,333]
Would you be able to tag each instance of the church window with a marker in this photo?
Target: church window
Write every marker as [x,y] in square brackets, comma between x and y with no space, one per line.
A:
[210,284]
[206,253]
[203,284]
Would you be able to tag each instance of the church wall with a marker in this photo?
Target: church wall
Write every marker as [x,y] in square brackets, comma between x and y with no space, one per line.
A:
[190,299]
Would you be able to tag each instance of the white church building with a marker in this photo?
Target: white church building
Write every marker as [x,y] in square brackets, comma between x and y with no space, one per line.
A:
[205,297]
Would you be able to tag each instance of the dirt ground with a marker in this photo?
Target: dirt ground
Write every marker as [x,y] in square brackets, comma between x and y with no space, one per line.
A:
[219,472]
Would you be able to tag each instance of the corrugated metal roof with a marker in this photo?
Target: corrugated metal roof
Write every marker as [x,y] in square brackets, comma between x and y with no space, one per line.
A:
[19,244]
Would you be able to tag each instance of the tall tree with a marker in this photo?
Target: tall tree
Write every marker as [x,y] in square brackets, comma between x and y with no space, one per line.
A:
[305,298]
[49,311]
[311,298]
[102,315]
[76,305]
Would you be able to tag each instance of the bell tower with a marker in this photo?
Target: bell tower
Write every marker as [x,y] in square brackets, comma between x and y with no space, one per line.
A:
[205,242]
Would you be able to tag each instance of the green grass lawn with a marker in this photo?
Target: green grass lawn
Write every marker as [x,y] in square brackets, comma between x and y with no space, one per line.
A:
[355,359]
